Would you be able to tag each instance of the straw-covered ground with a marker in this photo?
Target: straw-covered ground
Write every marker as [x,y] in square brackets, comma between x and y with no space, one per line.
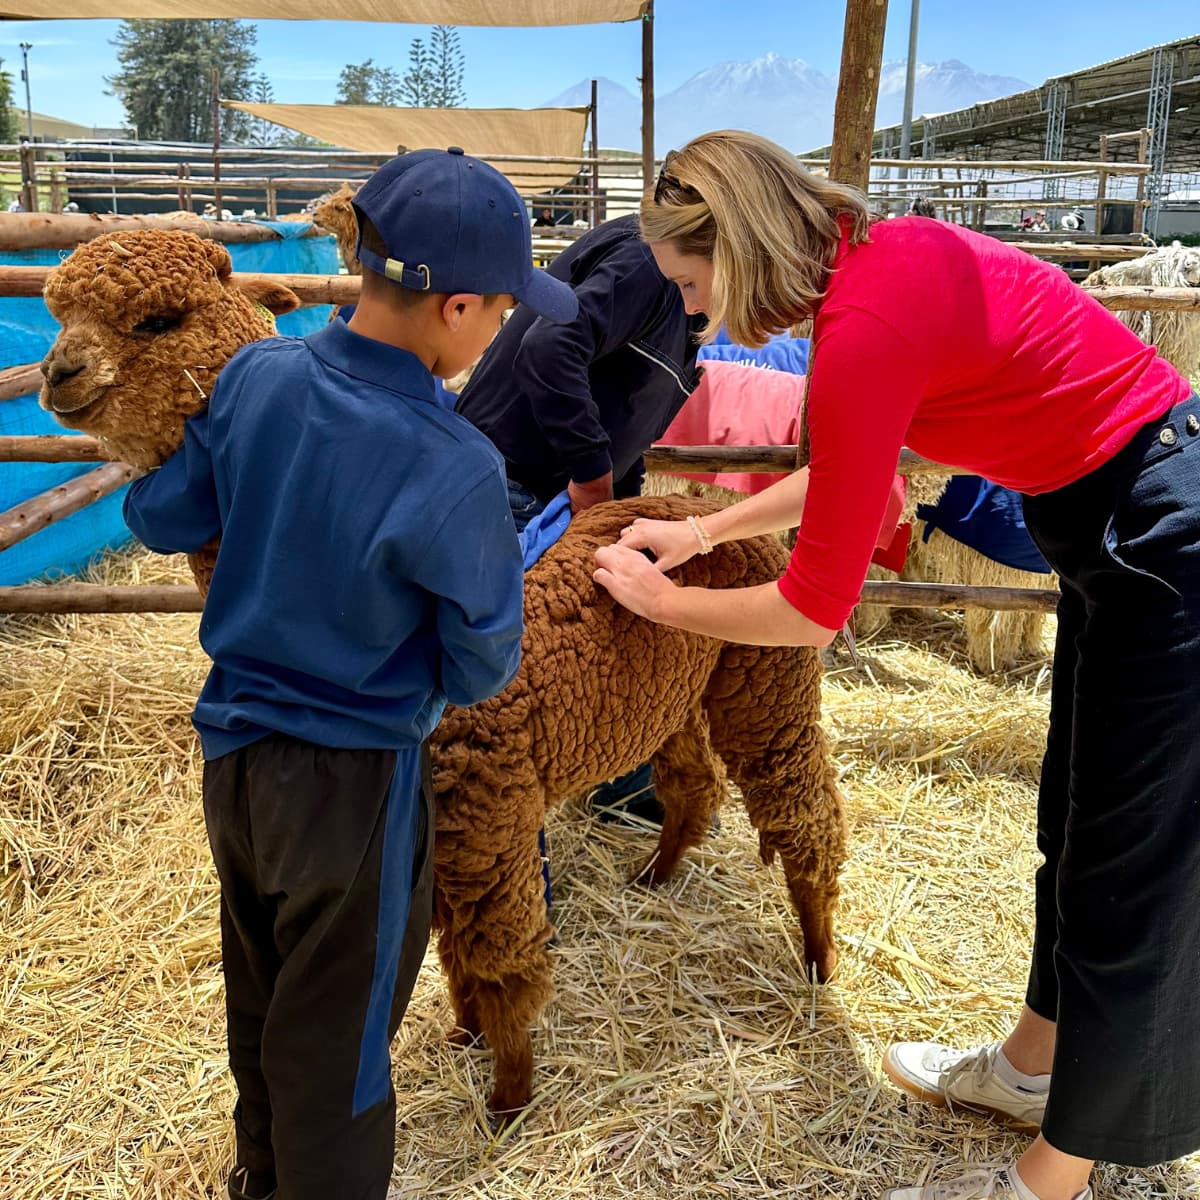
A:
[685,1055]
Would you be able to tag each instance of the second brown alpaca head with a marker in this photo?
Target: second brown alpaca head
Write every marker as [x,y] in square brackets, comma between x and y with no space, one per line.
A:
[335,214]
[148,320]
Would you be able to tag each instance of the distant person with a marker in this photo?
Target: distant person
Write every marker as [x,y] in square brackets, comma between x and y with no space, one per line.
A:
[1073,222]
[922,206]
[575,405]
[70,207]
[15,206]
[1040,224]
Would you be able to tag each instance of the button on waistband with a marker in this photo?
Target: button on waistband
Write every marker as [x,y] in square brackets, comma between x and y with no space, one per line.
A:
[1167,436]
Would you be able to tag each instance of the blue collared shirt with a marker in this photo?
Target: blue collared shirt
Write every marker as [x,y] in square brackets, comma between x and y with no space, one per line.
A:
[369,570]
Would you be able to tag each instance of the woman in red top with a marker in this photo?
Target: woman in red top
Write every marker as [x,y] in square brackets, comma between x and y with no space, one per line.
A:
[995,363]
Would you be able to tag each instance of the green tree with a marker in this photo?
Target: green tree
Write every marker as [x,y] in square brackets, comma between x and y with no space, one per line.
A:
[263,132]
[433,78]
[447,67]
[165,80]
[9,124]
[417,84]
[356,83]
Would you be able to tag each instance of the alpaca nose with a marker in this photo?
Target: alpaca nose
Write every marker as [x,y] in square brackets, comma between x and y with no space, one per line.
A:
[57,372]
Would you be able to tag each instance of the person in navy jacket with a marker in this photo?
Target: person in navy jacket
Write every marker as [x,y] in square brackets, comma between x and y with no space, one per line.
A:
[574,405]
[368,573]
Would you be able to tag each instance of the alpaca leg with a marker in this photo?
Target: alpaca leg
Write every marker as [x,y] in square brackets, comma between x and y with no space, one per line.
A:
[764,710]
[507,1008]
[688,782]
[468,1028]
[489,900]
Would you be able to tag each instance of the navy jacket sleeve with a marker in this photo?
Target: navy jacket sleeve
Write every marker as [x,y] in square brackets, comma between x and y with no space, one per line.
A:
[618,301]
[473,567]
[173,510]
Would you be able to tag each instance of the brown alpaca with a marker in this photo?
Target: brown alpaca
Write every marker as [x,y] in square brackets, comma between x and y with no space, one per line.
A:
[148,320]
[599,690]
[335,214]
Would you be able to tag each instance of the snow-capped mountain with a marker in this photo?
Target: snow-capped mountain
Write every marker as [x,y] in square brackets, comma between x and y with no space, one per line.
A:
[785,99]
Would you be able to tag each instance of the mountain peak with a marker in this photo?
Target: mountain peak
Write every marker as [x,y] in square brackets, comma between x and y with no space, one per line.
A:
[782,98]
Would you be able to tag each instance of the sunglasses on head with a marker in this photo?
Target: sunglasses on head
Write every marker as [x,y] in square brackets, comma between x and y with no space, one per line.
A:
[666,180]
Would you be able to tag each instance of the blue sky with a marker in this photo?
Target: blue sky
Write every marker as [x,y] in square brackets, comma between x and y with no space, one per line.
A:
[525,67]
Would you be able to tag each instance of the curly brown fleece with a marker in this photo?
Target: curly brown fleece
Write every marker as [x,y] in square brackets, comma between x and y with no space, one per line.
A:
[599,691]
[148,320]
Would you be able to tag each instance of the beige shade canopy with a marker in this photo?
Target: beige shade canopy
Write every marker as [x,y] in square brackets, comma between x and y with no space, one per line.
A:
[373,129]
[410,12]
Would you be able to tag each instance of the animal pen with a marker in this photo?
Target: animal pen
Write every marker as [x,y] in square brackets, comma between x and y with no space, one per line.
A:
[686,1055]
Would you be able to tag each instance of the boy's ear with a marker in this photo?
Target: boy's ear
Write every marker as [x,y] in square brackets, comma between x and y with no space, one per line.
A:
[455,306]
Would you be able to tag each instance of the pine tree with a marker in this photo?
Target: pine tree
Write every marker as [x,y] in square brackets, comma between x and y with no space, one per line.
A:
[262,131]
[165,80]
[433,78]
[448,67]
[417,84]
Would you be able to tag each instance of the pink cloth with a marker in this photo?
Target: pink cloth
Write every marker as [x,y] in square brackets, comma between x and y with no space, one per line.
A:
[737,405]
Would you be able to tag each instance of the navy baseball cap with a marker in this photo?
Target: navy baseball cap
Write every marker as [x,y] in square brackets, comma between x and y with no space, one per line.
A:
[452,223]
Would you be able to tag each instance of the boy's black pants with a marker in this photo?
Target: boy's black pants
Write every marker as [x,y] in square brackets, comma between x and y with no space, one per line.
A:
[326,864]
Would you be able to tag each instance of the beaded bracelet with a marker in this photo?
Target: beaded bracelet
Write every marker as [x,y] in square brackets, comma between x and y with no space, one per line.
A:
[706,545]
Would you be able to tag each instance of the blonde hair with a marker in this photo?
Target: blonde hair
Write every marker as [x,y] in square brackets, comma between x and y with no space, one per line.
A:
[769,227]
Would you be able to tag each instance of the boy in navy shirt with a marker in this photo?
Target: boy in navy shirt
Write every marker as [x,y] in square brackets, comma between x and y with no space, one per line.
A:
[368,573]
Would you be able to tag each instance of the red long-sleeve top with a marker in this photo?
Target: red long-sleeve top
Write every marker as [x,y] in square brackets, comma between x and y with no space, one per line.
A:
[969,352]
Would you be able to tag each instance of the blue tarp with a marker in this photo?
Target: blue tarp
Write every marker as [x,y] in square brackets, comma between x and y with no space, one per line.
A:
[26,333]
[988,518]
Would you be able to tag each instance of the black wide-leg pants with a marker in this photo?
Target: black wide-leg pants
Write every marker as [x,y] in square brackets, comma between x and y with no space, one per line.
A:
[325,858]
[1116,958]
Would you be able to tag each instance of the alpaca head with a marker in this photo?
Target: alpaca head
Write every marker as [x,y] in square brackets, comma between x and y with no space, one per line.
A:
[148,320]
[335,214]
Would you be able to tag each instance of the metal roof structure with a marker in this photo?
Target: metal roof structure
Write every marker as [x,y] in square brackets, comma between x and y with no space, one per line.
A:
[1157,89]
[1113,97]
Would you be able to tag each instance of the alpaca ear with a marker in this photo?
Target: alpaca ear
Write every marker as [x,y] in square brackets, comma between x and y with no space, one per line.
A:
[219,257]
[273,296]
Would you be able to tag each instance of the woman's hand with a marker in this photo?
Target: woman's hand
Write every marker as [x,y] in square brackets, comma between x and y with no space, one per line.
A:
[672,542]
[632,579]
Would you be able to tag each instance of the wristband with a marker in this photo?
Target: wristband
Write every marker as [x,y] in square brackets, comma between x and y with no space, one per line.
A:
[706,544]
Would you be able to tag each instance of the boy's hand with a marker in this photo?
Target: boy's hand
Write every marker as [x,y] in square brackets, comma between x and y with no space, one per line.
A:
[584,495]
[633,581]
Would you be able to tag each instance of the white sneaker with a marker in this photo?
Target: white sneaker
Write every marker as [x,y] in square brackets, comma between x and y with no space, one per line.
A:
[990,1183]
[949,1077]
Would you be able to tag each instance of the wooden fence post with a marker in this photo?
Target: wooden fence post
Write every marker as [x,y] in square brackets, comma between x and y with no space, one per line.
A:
[29,196]
[858,92]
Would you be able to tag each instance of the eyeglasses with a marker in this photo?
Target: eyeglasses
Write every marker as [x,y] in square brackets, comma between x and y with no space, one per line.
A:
[666,180]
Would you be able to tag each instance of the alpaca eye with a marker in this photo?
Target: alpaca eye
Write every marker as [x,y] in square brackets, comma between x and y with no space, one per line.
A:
[159,323]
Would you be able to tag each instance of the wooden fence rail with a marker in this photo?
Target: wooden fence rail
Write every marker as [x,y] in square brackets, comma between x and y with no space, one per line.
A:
[62,231]
[182,597]
[343,289]
[27,518]
[768,460]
